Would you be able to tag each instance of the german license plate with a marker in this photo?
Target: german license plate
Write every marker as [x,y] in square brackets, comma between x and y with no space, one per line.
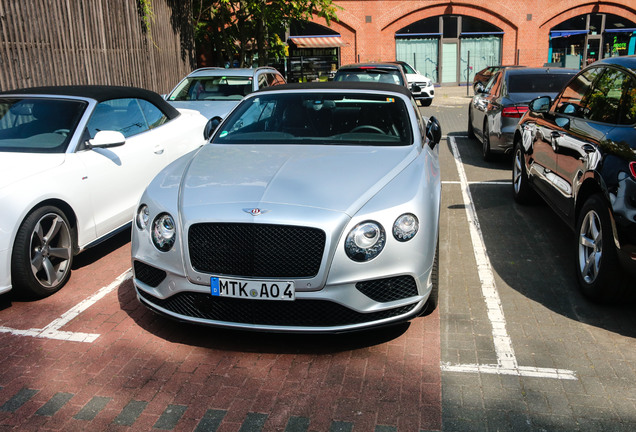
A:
[252,289]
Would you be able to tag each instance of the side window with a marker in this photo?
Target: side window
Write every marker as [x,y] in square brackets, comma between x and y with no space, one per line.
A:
[154,116]
[278,79]
[628,103]
[603,102]
[122,115]
[262,80]
[493,85]
[571,101]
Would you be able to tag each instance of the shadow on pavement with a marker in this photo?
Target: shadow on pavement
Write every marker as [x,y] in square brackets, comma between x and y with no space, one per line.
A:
[251,341]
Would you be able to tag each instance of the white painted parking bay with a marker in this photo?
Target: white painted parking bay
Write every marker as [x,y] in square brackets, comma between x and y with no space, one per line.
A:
[506,360]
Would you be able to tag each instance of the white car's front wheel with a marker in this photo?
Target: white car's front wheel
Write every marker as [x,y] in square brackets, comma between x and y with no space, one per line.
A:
[42,253]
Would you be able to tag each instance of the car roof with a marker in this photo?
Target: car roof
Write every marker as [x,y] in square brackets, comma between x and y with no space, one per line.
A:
[243,72]
[341,86]
[99,93]
[388,65]
[534,71]
[628,62]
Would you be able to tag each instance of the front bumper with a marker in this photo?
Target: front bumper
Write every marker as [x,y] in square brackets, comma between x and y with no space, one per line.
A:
[332,309]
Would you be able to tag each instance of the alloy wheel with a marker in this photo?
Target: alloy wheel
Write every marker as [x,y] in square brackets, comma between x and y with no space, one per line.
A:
[590,247]
[50,250]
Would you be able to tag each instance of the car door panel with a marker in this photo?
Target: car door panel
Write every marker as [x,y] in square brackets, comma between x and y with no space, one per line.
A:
[582,138]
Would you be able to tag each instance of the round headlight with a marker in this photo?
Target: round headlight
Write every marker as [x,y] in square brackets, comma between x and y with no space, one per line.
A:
[365,241]
[163,232]
[143,216]
[405,227]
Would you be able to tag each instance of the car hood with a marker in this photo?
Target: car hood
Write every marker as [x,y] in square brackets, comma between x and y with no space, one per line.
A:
[208,109]
[334,178]
[19,166]
[416,78]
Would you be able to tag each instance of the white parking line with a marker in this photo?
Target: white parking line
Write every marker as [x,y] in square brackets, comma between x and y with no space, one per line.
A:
[52,331]
[506,359]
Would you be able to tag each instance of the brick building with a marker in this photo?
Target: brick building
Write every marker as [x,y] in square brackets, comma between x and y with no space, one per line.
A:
[436,37]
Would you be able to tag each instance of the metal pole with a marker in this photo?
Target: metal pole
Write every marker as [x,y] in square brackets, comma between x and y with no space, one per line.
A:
[468,74]
[414,62]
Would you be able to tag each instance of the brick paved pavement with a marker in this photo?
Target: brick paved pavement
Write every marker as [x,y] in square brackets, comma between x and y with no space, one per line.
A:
[145,372]
[549,323]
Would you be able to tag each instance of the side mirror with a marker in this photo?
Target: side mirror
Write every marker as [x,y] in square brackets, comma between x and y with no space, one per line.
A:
[211,126]
[479,87]
[106,139]
[433,132]
[540,104]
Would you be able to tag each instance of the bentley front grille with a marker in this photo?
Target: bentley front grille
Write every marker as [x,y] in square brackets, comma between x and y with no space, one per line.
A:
[256,250]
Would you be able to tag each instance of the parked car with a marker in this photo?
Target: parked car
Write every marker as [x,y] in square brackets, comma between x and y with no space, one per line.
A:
[386,73]
[578,152]
[494,113]
[215,91]
[426,91]
[314,208]
[75,161]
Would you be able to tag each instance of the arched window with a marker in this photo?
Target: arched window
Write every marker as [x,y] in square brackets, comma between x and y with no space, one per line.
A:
[582,40]
[449,48]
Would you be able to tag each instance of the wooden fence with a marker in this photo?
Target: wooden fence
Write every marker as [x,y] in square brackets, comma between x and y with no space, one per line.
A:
[66,42]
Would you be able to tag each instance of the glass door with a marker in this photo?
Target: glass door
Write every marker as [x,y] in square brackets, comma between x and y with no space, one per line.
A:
[449,62]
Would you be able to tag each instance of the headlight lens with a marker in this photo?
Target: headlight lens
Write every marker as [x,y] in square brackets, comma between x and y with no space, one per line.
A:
[143,216]
[163,232]
[365,241]
[405,227]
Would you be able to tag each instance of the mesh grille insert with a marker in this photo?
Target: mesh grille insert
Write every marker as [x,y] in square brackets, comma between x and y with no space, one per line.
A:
[256,250]
[306,313]
[149,275]
[388,289]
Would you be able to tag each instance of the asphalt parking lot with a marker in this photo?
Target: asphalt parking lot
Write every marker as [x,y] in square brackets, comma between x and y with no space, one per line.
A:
[513,346]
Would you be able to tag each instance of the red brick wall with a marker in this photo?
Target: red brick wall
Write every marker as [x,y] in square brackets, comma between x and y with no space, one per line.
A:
[375,40]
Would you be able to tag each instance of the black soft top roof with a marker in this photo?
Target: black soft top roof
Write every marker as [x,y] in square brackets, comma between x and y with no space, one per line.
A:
[100,93]
[341,86]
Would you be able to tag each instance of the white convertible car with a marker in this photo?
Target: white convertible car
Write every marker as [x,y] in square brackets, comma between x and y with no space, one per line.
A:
[313,208]
[75,161]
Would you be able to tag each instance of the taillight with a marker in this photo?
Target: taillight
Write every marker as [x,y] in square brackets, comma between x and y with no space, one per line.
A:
[514,111]
[632,169]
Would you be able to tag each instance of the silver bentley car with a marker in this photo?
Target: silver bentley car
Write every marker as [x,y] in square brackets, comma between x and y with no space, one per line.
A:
[313,208]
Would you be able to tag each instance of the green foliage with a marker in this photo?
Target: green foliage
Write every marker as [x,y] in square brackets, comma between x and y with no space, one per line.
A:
[245,27]
[147,14]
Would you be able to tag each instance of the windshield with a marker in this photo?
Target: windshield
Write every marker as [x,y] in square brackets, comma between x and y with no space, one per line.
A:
[370,74]
[408,69]
[38,125]
[212,88]
[537,83]
[318,118]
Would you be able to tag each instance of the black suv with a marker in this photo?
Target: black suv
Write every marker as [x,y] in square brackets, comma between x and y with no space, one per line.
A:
[578,152]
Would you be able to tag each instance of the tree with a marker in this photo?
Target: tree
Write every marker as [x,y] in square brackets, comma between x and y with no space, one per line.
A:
[243,27]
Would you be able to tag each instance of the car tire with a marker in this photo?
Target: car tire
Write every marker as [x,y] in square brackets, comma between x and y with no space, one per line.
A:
[597,267]
[431,303]
[471,130]
[522,192]
[42,253]
[485,147]
[426,102]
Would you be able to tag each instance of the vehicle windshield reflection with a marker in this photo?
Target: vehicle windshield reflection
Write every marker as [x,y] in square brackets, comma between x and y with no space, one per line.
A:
[318,118]
[38,125]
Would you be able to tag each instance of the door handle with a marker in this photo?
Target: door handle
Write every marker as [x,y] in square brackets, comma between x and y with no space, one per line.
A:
[159,150]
